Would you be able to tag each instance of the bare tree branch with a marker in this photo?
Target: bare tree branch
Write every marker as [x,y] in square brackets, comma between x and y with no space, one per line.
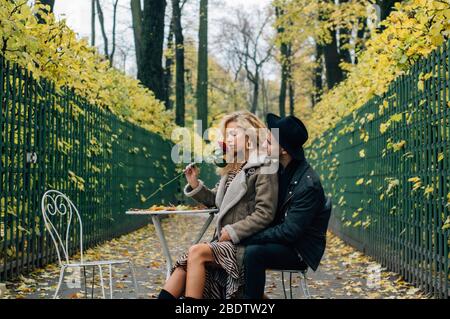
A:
[244,44]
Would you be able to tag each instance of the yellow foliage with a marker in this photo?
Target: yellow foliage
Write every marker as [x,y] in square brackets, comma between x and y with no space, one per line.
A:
[51,50]
[412,31]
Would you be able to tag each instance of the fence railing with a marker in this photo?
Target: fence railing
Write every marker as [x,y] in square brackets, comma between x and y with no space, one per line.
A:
[56,140]
[387,167]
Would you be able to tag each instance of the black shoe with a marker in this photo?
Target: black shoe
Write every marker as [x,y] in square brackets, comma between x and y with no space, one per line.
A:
[164,294]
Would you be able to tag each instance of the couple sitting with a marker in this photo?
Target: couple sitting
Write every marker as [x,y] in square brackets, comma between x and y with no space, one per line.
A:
[266,220]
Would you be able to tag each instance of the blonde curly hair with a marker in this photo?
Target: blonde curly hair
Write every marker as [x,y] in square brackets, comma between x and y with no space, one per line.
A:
[247,121]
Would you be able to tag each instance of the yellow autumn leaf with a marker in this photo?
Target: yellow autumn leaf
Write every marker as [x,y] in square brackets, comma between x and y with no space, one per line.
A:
[428,190]
[417,182]
[414,179]
[357,224]
[384,127]
[396,117]
[446,224]
[399,145]
[427,76]
[420,85]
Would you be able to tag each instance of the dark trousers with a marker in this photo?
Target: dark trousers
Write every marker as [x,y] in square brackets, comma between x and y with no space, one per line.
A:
[258,258]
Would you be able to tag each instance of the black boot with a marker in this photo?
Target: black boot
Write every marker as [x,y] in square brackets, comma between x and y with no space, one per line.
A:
[164,294]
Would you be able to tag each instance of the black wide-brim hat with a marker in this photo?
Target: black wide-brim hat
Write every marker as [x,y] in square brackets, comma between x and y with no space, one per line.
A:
[292,133]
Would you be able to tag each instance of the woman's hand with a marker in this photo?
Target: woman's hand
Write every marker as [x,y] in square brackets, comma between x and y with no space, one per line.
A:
[191,172]
[224,236]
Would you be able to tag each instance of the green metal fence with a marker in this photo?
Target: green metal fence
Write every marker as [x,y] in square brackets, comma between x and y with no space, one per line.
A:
[387,168]
[56,140]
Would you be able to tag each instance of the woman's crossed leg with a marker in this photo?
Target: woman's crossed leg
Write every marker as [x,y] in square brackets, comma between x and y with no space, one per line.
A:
[192,281]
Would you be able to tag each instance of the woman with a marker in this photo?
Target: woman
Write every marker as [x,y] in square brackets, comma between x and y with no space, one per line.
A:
[246,198]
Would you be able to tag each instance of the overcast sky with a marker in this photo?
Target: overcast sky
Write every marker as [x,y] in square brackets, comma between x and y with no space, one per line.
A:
[77,13]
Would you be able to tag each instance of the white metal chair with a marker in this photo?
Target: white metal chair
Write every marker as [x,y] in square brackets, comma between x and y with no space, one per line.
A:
[55,203]
[303,282]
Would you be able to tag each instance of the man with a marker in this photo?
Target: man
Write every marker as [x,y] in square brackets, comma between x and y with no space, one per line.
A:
[296,238]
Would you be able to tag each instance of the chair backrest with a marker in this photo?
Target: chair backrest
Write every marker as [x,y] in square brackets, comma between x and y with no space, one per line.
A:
[328,204]
[327,210]
[58,210]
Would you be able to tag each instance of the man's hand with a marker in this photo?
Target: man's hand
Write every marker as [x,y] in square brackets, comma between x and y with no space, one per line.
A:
[224,236]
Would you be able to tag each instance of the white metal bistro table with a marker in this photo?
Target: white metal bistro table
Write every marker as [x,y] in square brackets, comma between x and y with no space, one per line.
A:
[156,219]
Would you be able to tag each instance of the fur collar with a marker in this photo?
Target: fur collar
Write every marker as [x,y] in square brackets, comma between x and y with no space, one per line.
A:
[237,188]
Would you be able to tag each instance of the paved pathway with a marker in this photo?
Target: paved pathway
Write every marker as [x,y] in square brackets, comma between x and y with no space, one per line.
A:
[344,272]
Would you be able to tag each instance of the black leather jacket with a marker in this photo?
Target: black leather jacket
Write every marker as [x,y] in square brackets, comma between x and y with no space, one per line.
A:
[304,218]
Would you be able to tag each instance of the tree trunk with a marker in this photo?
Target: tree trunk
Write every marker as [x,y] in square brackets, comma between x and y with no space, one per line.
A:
[151,72]
[291,97]
[318,86]
[255,93]
[93,23]
[282,96]
[284,67]
[50,3]
[136,14]
[386,7]
[102,28]
[202,71]
[179,57]
[169,63]
[113,49]
[265,96]
[361,37]
[344,41]
[333,70]
[290,81]
[345,54]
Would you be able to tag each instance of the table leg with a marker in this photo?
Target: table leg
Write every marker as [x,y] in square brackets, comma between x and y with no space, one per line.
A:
[204,228]
[162,240]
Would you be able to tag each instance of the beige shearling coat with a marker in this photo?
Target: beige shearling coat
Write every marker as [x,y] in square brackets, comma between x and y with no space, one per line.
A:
[249,204]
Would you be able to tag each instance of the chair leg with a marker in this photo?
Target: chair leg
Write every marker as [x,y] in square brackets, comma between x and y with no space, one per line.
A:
[85,282]
[290,284]
[101,281]
[282,282]
[133,275]
[304,284]
[93,282]
[61,277]
[110,282]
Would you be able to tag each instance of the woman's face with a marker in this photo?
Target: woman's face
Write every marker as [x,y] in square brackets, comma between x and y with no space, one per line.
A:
[235,138]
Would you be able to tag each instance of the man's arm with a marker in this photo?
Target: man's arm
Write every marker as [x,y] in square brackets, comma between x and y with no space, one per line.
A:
[302,211]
